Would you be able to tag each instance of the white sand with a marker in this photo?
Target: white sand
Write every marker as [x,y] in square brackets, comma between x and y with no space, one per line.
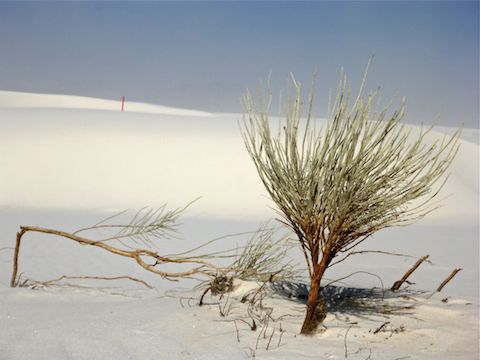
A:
[68,161]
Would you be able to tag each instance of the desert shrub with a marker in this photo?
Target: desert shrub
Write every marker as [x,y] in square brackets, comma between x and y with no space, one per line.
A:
[334,187]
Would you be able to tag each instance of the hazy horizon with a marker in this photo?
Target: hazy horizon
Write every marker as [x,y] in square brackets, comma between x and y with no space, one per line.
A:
[202,55]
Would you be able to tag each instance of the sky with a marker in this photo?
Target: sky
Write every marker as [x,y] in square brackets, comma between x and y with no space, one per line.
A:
[203,55]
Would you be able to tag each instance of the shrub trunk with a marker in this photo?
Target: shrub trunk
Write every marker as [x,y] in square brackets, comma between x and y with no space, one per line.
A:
[316,307]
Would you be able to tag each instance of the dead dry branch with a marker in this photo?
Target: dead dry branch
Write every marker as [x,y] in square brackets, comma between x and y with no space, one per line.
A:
[261,258]
[147,259]
[125,277]
[380,328]
[445,282]
[345,341]
[399,283]
[362,252]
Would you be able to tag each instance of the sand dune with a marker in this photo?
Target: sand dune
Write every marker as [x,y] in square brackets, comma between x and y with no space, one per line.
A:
[66,161]
[79,156]
[13,99]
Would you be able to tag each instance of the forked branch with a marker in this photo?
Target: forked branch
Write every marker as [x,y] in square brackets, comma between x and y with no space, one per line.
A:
[259,259]
[138,255]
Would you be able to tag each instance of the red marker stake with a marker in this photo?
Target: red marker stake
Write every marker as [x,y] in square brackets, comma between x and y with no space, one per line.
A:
[123,103]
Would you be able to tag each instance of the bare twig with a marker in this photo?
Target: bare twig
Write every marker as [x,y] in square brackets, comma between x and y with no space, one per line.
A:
[259,291]
[381,327]
[345,341]
[252,326]
[262,331]
[270,339]
[13,281]
[399,283]
[190,251]
[361,252]
[450,277]
[225,309]
[236,328]
[445,282]
[46,283]
[281,334]
[200,303]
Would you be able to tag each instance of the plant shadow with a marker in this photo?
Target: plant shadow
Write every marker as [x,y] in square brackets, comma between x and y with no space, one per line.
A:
[343,301]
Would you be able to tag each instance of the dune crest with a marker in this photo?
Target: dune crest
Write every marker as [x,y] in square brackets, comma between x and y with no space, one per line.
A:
[13,99]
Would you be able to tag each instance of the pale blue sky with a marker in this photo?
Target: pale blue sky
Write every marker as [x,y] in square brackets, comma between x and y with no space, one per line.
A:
[204,54]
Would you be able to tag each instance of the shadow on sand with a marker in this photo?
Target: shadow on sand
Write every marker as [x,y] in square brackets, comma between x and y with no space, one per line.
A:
[361,302]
